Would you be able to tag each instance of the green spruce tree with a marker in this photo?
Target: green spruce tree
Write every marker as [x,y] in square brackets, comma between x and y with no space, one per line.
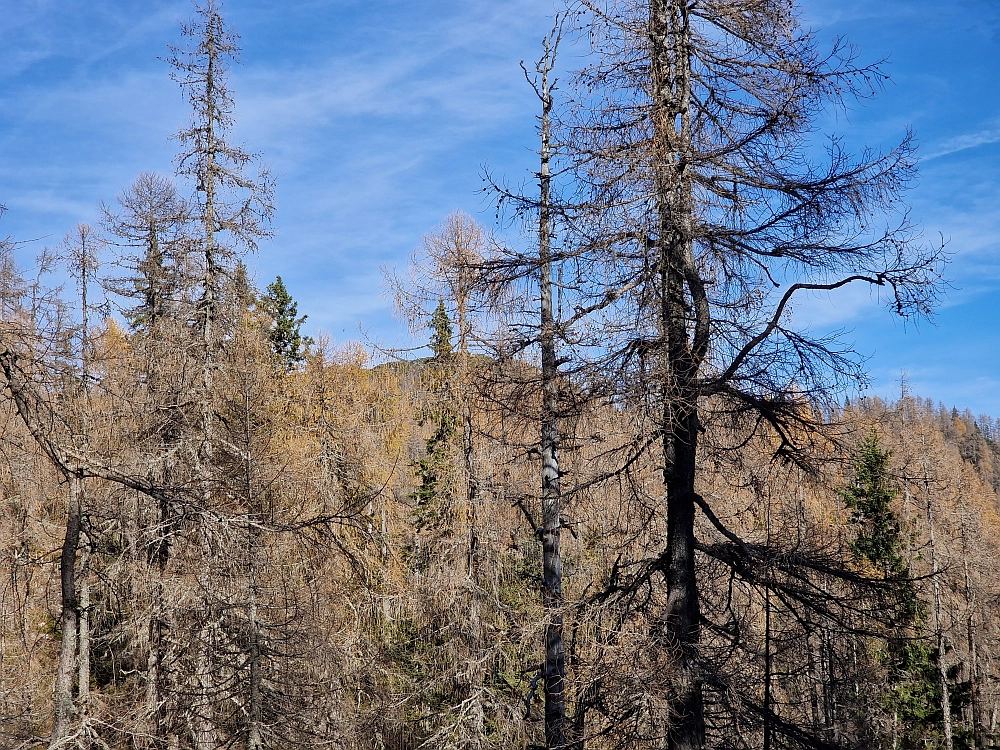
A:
[285,328]
[879,539]
[434,491]
[440,324]
[912,696]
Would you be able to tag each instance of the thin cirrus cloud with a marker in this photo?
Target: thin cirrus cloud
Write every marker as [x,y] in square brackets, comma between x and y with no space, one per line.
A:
[376,144]
[963,143]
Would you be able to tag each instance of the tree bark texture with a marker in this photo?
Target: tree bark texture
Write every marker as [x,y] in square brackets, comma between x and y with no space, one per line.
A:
[70,617]
[555,659]
[683,348]
[83,659]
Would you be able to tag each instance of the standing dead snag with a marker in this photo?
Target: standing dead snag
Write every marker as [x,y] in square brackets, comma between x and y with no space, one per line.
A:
[79,251]
[152,220]
[502,278]
[68,453]
[554,666]
[70,618]
[702,217]
[234,209]
[151,226]
[443,270]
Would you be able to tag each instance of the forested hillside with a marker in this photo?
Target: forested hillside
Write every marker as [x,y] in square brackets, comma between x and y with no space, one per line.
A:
[367,572]
[622,501]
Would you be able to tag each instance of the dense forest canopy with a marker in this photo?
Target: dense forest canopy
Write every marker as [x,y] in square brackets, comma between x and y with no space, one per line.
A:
[621,503]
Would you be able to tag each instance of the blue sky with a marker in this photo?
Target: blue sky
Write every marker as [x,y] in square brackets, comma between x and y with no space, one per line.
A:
[378,117]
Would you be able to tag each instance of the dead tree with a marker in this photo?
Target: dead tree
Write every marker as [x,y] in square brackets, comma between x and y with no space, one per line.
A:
[701,219]
[554,665]
[234,209]
[939,630]
[443,273]
[150,226]
[233,206]
[79,250]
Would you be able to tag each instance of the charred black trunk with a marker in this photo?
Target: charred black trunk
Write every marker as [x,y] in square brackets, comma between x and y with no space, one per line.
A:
[684,327]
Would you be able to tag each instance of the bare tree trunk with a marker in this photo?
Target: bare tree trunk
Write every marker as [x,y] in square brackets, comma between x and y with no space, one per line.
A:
[70,617]
[979,740]
[681,290]
[767,669]
[938,627]
[814,680]
[477,728]
[767,648]
[158,631]
[203,711]
[554,669]
[471,483]
[829,685]
[555,660]
[202,720]
[158,693]
[681,619]
[255,736]
[83,659]
[153,661]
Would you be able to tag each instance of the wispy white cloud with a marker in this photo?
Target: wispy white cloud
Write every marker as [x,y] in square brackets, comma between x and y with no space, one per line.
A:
[38,31]
[963,143]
